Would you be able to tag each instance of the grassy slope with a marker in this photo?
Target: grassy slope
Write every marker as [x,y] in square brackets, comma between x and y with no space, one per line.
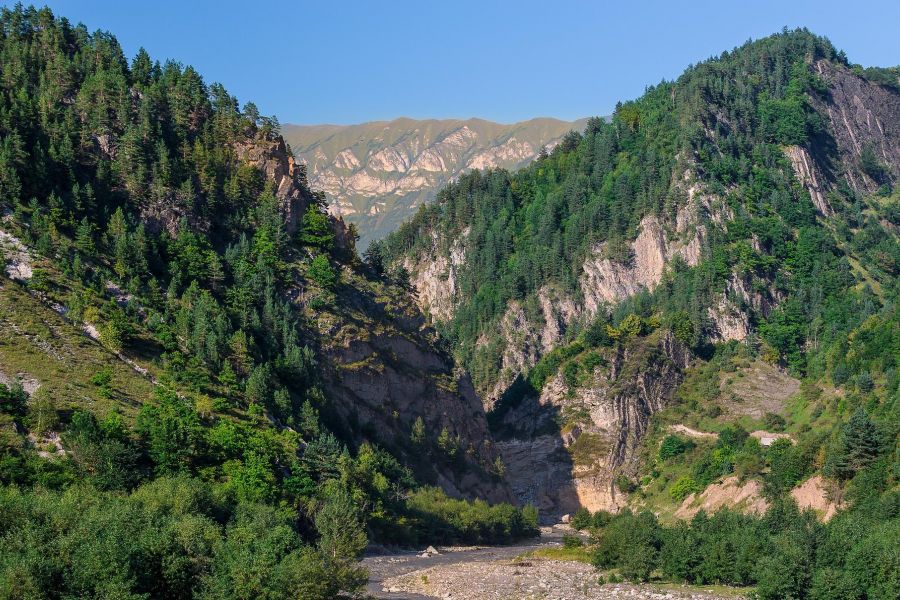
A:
[37,341]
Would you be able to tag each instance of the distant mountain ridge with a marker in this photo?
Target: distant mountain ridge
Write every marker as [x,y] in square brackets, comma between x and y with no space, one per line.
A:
[376,174]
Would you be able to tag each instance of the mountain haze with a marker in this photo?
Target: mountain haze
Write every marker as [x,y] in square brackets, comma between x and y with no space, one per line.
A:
[376,174]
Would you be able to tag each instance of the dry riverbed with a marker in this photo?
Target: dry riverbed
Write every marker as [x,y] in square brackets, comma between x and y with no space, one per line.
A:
[507,573]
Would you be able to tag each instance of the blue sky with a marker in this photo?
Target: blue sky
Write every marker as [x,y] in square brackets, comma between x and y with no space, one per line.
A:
[349,61]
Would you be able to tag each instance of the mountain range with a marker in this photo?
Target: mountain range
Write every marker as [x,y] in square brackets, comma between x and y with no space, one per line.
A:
[377,174]
[676,330]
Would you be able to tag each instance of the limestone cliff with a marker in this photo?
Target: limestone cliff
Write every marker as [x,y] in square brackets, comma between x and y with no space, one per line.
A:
[517,266]
[604,418]
[859,115]
[524,336]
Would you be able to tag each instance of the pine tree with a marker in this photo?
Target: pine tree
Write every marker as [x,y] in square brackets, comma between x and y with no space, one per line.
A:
[860,444]
[84,238]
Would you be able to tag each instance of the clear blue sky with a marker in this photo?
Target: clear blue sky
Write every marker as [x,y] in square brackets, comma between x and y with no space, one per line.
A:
[348,61]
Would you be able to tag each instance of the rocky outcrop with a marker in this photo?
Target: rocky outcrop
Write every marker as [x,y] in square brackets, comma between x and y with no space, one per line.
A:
[377,174]
[860,115]
[524,339]
[606,281]
[382,370]
[435,277]
[807,171]
[730,318]
[815,494]
[559,468]
[730,492]
[271,156]
[168,211]
[267,152]
[15,257]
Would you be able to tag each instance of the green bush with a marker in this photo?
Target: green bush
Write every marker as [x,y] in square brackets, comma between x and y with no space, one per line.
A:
[630,542]
[683,487]
[322,273]
[581,519]
[673,445]
[437,518]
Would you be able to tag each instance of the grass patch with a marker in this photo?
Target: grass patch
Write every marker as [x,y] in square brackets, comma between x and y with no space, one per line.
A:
[36,340]
[587,448]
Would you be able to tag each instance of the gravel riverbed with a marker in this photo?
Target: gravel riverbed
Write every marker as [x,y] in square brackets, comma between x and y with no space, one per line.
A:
[497,573]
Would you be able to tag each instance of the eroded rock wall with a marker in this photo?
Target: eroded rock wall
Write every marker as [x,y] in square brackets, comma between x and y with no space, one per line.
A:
[564,448]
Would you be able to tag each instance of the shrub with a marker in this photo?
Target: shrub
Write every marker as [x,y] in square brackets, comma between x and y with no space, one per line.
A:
[774,422]
[438,518]
[102,378]
[673,445]
[683,487]
[631,542]
[601,518]
[322,273]
[624,484]
[787,466]
[864,382]
[581,519]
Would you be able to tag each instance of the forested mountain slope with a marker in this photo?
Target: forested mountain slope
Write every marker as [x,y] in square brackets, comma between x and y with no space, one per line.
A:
[203,393]
[376,174]
[718,259]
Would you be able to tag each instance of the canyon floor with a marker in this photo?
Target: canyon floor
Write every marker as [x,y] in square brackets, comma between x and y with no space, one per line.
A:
[509,573]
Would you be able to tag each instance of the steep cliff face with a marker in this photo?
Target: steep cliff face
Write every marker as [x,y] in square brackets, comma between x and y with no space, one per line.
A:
[382,367]
[523,336]
[565,447]
[698,233]
[861,116]
[377,174]
[434,277]
[270,155]
[384,371]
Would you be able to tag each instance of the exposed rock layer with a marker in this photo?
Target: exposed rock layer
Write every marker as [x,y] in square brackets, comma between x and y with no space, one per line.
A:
[605,420]
[377,174]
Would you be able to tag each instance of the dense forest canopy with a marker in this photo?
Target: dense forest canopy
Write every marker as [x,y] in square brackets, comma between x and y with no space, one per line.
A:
[829,278]
[725,120]
[136,179]
[146,203]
